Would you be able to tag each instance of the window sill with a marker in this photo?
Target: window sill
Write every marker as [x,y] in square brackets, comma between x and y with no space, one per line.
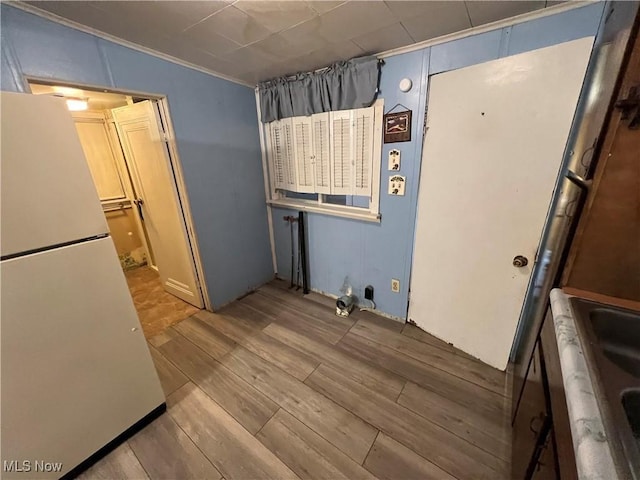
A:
[325,209]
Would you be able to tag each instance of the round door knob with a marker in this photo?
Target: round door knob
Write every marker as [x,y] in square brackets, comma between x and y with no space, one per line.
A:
[520,261]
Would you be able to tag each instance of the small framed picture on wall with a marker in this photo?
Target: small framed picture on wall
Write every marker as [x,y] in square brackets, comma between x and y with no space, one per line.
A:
[397,127]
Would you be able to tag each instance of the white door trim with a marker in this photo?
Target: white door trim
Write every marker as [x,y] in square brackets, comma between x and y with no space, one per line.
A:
[176,172]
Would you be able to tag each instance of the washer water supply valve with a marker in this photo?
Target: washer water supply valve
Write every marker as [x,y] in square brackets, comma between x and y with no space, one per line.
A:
[344,305]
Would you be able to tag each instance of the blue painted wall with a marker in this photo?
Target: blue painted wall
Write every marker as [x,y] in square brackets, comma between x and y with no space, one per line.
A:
[216,133]
[374,253]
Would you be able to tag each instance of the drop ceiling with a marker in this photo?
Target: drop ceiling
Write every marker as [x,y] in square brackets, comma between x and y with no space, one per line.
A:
[252,41]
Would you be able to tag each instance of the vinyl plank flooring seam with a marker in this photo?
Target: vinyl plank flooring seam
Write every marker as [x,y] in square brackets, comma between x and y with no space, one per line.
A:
[345,333]
[448,347]
[311,373]
[429,364]
[271,417]
[370,448]
[141,464]
[297,416]
[227,424]
[189,436]
[325,322]
[326,439]
[449,430]
[328,354]
[401,390]
[407,378]
[412,447]
[440,347]
[340,405]
[194,442]
[192,380]
[449,360]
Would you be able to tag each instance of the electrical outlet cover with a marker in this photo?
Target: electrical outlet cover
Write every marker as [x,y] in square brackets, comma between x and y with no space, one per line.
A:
[395,285]
[396,185]
[394,160]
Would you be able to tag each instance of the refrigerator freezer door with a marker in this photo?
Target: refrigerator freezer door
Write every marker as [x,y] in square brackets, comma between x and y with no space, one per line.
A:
[76,370]
[47,194]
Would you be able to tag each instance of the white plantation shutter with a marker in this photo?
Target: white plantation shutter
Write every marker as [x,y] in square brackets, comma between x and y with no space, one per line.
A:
[326,153]
[289,158]
[321,152]
[277,154]
[341,153]
[303,147]
[363,119]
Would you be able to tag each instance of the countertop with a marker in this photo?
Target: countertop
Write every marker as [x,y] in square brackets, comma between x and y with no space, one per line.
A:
[594,459]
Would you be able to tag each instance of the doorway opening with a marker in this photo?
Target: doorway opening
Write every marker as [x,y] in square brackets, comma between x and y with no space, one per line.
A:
[128,143]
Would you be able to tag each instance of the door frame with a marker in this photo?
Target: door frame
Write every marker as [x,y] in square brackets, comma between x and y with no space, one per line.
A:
[176,166]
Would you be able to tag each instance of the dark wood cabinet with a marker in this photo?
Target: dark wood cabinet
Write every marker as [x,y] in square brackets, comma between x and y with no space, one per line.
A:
[545,466]
[532,422]
[563,442]
[542,447]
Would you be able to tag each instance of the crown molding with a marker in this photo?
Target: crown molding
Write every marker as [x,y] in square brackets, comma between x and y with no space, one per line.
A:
[507,22]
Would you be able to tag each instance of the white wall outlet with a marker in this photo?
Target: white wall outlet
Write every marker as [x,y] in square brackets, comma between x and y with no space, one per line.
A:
[396,185]
[395,285]
[394,160]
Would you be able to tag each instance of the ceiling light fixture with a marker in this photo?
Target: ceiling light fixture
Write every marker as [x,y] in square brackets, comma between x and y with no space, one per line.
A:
[77,104]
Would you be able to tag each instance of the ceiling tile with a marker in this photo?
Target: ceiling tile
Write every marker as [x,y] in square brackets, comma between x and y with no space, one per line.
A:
[326,56]
[221,66]
[276,70]
[233,24]
[482,11]
[443,18]
[179,49]
[308,35]
[384,39]
[353,19]
[147,15]
[194,11]
[108,22]
[205,39]
[276,16]
[322,6]
[76,11]
[404,9]
[249,59]
[279,47]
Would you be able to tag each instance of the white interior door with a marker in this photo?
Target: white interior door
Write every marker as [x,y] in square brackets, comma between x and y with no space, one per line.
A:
[146,155]
[494,144]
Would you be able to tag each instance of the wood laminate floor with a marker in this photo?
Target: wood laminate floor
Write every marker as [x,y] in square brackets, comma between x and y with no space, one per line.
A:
[275,386]
[157,309]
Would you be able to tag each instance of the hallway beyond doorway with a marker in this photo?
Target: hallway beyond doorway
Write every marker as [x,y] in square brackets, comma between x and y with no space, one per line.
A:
[156,308]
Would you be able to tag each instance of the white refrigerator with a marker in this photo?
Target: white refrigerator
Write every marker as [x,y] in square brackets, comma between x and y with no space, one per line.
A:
[75,371]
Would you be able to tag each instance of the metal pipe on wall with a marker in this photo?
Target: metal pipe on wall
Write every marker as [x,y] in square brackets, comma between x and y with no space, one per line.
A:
[302,245]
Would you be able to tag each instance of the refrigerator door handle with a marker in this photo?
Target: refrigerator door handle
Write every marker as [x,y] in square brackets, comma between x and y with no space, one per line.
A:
[139,202]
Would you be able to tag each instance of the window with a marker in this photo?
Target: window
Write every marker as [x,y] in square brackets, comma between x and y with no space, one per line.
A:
[327,162]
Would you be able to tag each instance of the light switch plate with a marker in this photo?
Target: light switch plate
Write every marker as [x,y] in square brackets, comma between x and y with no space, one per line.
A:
[394,160]
[396,185]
